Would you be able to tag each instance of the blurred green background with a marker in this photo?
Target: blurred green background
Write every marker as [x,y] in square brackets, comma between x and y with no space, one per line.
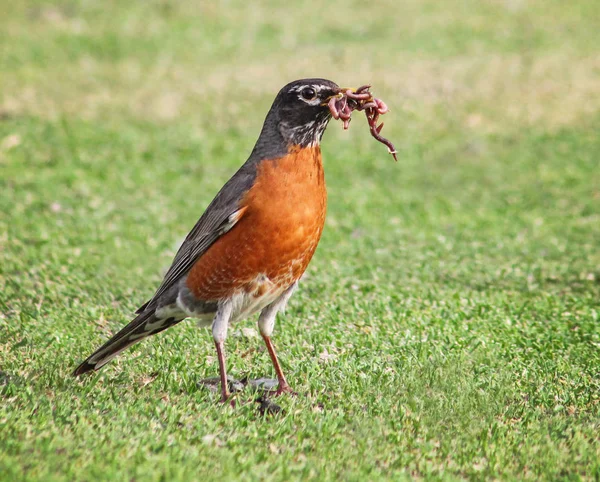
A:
[448,327]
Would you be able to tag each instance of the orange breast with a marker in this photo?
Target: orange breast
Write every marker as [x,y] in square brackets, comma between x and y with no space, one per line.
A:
[277,234]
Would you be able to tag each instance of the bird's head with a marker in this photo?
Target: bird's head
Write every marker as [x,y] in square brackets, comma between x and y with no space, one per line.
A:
[300,112]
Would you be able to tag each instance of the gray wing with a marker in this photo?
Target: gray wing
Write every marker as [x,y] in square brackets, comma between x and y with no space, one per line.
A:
[220,216]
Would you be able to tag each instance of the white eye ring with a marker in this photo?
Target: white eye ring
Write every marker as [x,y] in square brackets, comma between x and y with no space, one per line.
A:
[308,93]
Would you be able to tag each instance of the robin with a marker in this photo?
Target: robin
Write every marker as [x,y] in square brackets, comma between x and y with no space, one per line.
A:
[255,239]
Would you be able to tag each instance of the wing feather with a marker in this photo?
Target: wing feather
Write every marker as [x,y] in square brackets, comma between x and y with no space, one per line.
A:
[221,215]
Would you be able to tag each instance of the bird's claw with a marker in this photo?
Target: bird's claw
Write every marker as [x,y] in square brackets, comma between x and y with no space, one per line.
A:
[283,389]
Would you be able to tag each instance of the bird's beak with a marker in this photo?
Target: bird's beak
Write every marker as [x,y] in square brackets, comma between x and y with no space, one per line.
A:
[338,95]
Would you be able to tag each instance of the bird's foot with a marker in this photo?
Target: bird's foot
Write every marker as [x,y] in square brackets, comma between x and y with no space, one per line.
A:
[283,389]
[214,385]
[228,400]
[269,387]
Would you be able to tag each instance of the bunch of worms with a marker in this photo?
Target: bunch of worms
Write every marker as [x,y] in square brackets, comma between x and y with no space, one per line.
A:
[342,106]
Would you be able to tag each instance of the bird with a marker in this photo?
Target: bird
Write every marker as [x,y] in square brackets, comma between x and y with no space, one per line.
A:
[249,249]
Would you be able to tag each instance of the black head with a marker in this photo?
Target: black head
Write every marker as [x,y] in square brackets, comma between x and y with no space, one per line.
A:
[299,114]
[303,111]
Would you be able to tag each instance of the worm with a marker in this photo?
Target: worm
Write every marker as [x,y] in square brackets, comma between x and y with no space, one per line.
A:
[347,101]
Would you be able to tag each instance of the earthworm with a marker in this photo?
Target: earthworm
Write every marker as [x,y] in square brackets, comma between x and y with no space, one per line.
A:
[347,101]
[335,113]
[355,96]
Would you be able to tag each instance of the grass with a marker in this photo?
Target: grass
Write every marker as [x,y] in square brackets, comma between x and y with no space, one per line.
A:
[448,327]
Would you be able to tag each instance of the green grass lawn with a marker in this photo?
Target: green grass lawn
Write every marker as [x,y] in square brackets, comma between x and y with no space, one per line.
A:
[449,324]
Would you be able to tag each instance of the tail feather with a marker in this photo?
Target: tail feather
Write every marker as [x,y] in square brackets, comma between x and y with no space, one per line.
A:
[142,326]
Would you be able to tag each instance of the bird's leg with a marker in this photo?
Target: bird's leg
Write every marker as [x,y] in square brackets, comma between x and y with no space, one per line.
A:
[219,331]
[266,323]
[222,371]
[283,384]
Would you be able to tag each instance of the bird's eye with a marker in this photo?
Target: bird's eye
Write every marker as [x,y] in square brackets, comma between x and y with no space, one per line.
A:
[308,93]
